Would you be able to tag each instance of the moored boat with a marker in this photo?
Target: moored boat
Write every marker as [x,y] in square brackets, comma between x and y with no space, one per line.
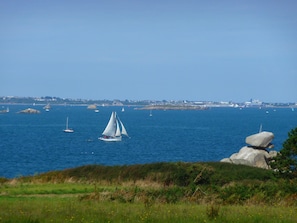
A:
[67,129]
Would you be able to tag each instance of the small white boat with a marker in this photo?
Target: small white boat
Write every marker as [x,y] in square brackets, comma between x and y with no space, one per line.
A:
[47,107]
[114,130]
[68,130]
[5,110]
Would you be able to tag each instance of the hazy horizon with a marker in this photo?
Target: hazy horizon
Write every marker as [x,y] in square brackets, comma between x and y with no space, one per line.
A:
[149,50]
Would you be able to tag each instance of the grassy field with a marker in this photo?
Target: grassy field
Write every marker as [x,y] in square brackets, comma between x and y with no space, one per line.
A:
[161,192]
[72,209]
[69,210]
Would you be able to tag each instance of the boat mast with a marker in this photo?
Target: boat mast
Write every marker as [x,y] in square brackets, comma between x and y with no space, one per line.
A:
[67,123]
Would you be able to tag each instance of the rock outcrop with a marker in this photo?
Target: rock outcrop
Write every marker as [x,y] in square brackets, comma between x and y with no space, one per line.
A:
[256,154]
[92,107]
[29,111]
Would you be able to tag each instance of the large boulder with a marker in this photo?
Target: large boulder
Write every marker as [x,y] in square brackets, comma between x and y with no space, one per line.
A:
[251,157]
[262,139]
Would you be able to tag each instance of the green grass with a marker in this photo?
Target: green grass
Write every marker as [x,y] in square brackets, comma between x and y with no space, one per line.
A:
[45,189]
[53,209]
[160,192]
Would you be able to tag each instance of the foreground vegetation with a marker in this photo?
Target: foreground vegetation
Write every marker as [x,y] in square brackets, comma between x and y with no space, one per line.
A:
[160,192]
[53,209]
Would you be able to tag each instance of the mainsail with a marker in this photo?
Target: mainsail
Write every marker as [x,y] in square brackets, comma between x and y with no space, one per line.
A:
[110,129]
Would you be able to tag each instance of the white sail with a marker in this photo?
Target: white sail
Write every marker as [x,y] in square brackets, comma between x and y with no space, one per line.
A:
[260,130]
[118,130]
[110,129]
[114,129]
[124,131]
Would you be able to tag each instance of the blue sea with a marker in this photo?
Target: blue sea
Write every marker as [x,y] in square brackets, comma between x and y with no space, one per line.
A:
[35,143]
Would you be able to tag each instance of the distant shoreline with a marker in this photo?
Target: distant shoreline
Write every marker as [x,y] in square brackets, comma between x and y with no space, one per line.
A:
[141,104]
[150,107]
[172,107]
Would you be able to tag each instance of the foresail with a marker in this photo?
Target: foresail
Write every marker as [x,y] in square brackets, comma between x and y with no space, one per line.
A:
[118,131]
[110,129]
[124,131]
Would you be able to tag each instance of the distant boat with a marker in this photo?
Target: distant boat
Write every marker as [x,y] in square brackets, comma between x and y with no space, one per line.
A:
[47,107]
[68,130]
[123,109]
[114,130]
[151,114]
[5,110]
[96,110]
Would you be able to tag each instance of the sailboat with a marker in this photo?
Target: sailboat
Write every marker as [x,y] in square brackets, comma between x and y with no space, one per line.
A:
[114,130]
[5,111]
[47,107]
[68,130]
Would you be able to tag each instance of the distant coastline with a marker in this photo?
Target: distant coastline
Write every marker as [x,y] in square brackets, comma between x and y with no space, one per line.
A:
[143,104]
[172,107]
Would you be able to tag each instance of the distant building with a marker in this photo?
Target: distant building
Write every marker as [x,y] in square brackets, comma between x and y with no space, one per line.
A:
[253,103]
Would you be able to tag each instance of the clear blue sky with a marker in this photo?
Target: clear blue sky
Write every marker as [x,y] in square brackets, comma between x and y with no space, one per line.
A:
[154,49]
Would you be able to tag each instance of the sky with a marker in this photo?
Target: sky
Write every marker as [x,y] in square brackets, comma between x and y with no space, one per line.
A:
[149,50]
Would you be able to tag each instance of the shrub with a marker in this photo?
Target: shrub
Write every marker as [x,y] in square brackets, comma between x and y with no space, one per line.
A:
[285,163]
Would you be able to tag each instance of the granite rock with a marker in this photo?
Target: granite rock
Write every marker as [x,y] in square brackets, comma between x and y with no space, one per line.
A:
[251,157]
[261,139]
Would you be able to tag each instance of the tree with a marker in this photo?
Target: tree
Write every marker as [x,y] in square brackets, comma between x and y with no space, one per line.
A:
[286,160]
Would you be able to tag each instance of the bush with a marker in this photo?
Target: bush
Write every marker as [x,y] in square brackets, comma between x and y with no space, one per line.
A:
[285,163]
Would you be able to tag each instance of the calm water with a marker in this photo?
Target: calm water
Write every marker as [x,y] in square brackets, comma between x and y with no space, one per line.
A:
[31,144]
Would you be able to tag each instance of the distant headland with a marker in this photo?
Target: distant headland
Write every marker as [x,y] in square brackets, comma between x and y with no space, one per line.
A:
[142,104]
